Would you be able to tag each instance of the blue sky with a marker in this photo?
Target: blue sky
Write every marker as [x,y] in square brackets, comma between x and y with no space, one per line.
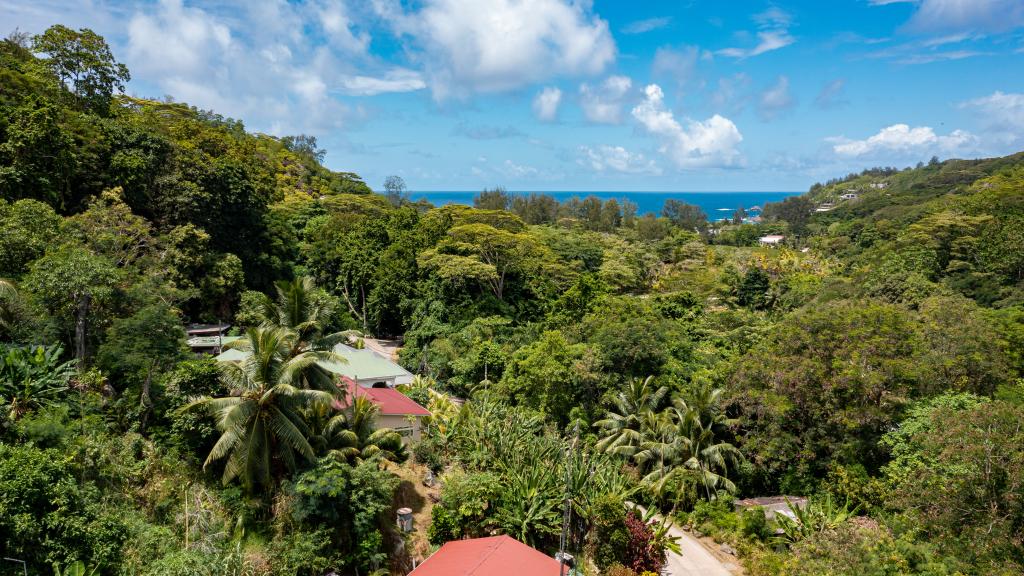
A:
[602,95]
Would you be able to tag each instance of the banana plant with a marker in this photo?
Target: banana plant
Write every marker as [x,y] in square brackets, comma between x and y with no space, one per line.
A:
[33,377]
[816,516]
[76,568]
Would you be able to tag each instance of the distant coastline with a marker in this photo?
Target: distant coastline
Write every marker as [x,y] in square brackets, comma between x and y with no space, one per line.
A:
[717,205]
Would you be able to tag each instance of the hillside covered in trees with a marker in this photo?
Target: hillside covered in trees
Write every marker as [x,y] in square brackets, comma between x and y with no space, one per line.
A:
[872,362]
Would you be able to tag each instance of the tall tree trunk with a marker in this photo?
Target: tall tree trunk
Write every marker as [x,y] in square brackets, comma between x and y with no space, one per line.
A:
[352,306]
[80,327]
[145,400]
[362,293]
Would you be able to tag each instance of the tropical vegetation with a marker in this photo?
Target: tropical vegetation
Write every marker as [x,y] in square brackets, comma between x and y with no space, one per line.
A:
[579,360]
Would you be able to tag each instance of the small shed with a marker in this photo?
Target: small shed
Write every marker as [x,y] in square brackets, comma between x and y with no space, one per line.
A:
[771,240]
[208,338]
[772,505]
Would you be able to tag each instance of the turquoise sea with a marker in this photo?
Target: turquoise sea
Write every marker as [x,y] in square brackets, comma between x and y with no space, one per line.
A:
[717,205]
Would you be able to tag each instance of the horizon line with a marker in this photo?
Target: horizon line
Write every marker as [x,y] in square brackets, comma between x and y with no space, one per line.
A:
[477,191]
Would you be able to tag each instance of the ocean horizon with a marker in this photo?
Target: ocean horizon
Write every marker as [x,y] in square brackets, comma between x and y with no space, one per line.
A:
[717,205]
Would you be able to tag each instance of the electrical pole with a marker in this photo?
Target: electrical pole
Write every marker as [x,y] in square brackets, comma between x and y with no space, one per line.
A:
[567,511]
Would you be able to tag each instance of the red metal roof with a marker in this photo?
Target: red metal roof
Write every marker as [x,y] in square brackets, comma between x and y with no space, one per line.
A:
[494,556]
[391,401]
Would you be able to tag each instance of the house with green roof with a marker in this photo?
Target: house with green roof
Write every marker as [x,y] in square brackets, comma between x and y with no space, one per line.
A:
[365,367]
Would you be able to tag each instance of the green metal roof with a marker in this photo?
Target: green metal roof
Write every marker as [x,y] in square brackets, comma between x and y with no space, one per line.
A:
[360,364]
[211,341]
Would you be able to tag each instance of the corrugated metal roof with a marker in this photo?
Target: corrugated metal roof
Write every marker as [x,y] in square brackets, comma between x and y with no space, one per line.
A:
[494,556]
[211,341]
[359,365]
[391,402]
[363,364]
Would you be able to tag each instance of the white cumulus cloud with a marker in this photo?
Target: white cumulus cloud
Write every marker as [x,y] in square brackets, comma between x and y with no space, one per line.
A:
[903,140]
[178,40]
[617,159]
[603,103]
[545,103]
[691,144]
[281,66]
[470,46]
[1001,110]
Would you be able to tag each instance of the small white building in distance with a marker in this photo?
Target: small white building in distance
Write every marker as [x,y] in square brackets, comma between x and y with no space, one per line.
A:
[771,240]
[849,196]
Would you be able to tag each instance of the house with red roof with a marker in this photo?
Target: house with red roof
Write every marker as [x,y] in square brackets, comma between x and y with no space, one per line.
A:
[397,411]
[493,556]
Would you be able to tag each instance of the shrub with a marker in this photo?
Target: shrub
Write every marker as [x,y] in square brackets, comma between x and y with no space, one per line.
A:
[420,396]
[193,431]
[352,501]
[714,516]
[47,428]
[47,517]
[304,552]
[426,453]
[444,526]
[754,524]
[862,548]
[609,537]
[853,484]
[619,570]
[470,500]
[642,553]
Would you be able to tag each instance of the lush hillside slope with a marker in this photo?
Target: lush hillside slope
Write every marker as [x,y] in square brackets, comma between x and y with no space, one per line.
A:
[872,362]
[951,225]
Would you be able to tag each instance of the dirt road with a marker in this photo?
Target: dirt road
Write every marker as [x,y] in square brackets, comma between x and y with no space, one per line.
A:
[694,559]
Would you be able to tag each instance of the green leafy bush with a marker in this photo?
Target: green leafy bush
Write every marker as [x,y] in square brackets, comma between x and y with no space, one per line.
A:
[444,526]
[853,549]
[48,516]
[427,453]
[609,536]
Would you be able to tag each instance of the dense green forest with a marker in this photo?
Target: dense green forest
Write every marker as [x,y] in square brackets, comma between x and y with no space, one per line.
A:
[872,363]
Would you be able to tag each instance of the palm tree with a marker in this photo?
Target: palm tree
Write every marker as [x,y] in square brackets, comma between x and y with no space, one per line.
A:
[685,446]
[714,457]
[622,429]
[298,308]
[350,434]
[263,428]
[665,453]
[674,448]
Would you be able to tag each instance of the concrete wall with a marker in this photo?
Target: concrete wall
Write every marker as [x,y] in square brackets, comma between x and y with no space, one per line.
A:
[398,423]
